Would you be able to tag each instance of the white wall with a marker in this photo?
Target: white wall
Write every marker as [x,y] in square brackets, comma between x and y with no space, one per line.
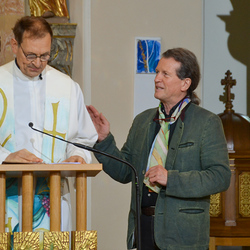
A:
[104,66]
[114,26]
[217,60]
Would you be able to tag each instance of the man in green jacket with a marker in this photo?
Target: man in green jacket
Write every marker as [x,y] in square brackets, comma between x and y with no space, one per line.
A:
[180,153]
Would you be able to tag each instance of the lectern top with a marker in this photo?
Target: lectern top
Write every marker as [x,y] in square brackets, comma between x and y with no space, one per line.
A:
[42,169]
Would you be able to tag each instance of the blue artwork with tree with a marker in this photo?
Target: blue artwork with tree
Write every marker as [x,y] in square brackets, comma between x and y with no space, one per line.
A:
[148,55]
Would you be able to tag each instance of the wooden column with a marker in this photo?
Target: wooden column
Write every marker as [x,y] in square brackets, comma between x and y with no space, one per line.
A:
[212,245]
[81,201]
[2,201]
[27,201]
[55,201]
[230,199]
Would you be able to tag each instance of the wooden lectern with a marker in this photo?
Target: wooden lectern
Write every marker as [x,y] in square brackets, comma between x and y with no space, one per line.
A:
[54,171]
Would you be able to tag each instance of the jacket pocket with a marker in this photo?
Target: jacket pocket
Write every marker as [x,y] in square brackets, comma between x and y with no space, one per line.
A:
[191,210]
[186,144]
[191,224]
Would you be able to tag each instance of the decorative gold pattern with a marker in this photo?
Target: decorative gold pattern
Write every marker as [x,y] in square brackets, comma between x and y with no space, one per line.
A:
[84,240]
[41,7]
[62,47]
[5,241]
[215,205]
[26,240]
[56,240]
[244,194]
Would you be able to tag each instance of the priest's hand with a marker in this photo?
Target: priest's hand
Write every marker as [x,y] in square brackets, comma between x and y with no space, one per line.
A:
[23,155]
[102,125]
[75,158]
[158,174]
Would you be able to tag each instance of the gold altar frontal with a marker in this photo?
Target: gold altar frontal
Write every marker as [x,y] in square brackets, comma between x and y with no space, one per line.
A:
[5,241]
[84,240]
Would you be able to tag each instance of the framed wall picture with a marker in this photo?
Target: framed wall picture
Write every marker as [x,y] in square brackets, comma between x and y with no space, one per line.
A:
[147,56]
[148,53]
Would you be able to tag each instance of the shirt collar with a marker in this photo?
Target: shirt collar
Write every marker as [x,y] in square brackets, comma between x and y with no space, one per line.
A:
[18,73]
[172,109]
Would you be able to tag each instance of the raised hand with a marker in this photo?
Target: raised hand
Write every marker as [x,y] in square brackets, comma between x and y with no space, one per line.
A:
[101,123]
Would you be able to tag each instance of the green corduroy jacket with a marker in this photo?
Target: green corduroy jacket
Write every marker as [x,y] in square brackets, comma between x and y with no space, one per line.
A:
[197,164]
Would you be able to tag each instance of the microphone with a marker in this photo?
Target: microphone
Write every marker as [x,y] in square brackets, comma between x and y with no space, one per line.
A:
[40,76]
[137,190]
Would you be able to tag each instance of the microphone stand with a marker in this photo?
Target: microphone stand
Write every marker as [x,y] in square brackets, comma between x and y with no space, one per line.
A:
[137,190]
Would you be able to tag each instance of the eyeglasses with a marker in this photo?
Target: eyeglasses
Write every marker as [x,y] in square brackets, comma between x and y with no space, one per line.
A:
[32,57]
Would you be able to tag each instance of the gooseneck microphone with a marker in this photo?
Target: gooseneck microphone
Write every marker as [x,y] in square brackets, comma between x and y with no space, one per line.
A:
[137,190]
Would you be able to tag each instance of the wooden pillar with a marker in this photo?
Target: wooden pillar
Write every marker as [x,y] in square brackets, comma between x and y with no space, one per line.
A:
[81,201]
[55,201]
[212,245]
[2,201]
[230,199]
[27,201]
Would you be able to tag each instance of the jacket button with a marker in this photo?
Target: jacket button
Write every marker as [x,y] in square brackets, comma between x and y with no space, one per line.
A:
[143,171]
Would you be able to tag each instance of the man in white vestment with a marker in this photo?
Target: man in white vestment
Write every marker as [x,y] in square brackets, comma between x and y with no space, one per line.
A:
[32,91]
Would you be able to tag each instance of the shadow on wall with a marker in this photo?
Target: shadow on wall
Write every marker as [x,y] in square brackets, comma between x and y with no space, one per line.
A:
[238,27]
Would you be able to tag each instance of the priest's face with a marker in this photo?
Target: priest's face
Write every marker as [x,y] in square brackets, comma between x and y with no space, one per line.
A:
[32,54]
